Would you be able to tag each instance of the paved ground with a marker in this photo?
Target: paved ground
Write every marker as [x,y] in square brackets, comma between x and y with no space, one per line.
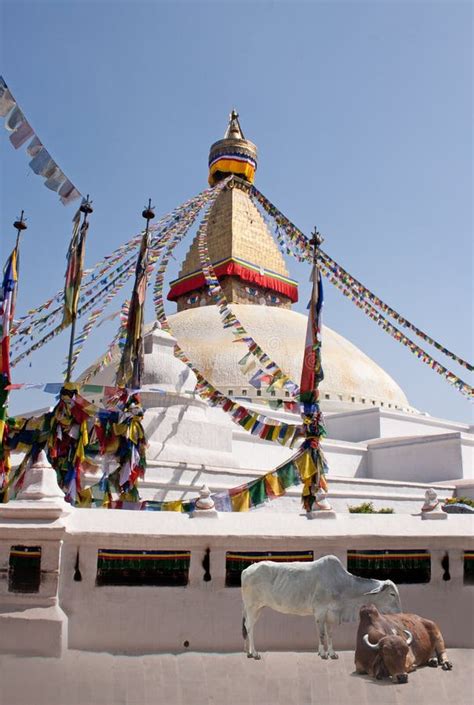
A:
[85,678]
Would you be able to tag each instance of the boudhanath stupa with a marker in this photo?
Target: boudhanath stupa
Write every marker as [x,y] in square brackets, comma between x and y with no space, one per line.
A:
[377,442]
[85,578]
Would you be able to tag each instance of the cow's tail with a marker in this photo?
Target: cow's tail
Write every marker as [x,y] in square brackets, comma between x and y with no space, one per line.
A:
[244,628]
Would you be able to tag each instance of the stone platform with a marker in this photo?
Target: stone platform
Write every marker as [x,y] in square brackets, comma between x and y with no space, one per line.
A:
[85,678]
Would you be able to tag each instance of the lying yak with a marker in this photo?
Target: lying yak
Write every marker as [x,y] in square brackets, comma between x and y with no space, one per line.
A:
[396,644]
[321,588]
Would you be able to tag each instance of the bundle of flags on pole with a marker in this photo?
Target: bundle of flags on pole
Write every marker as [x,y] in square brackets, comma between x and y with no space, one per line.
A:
[74,269]
[313,466]
[8,293]
[131,363]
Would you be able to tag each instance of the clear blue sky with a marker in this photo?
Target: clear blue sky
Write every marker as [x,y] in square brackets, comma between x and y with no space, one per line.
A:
[362,113]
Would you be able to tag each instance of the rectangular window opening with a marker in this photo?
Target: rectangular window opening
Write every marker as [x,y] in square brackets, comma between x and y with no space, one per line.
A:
[24,569]
[134,568]
[468,577]
[401,566]
[236,562]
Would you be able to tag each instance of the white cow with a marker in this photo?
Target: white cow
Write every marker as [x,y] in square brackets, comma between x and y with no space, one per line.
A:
[322,588]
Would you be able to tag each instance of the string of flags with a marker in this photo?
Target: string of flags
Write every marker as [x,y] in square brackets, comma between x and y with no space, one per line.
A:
[117,341]
[103,283]
[271,375]
[24,324]
[42,162]
[122,259]
[354,284]
[82,386]
[243,498]
[257,424]
[295,243]
[397,334]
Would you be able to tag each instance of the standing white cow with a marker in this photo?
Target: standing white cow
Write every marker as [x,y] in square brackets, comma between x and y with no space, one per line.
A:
[322,588]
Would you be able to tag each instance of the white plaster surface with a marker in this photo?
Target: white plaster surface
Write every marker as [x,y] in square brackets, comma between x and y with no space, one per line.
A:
[280,678]
[424,458]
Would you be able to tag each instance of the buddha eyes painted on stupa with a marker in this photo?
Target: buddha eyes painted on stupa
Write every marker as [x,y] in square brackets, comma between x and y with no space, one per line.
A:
[252,290]
[273,299]
[192,300]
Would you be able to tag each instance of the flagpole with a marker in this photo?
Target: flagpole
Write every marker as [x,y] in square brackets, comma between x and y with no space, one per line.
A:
[148,214]
[9,290]
[20,225]
[314,464]
[85,209]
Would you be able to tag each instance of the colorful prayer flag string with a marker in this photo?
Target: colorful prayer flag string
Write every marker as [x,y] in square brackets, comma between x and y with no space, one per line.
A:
[42,163]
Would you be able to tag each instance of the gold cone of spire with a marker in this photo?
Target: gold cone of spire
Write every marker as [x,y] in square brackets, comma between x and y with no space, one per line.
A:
[246,258]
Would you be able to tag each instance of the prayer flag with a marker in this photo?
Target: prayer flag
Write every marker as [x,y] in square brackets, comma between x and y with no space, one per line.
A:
[75,264]
[240,500]
[273,485]
[8,293]
[312,373]
[131,363]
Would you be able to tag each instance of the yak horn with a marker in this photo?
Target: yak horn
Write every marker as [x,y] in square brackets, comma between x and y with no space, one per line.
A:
[375,647]
[409,636]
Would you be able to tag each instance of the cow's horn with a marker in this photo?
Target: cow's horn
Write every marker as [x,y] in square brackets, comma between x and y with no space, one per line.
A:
[375,647]
[409,636]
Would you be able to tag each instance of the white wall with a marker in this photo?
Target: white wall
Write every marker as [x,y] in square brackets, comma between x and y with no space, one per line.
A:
[420,458]
[365,424]
[209,615]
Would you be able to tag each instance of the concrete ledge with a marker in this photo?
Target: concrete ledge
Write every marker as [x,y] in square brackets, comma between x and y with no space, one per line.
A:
[280,678]
[34,632]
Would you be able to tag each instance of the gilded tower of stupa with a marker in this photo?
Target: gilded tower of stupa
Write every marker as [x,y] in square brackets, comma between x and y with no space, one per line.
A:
[246,259]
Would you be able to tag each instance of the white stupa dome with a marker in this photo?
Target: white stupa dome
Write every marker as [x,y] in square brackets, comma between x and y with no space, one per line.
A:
[350,376]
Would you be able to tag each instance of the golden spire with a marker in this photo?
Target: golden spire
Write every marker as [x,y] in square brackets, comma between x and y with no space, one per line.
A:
[233,154]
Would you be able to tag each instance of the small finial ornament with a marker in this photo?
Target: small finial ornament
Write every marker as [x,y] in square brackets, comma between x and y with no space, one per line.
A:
[86,206]
[431,508]
[431,500]
[204,506]
[148,213]
[205,500]
[234,131]
[321,503]
[20,224]
[317,239]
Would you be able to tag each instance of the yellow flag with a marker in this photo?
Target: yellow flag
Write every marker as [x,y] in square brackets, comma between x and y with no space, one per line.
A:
[176,506]
[84,498]
[248,424]
[241,502]
[273,485]
[305,466]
